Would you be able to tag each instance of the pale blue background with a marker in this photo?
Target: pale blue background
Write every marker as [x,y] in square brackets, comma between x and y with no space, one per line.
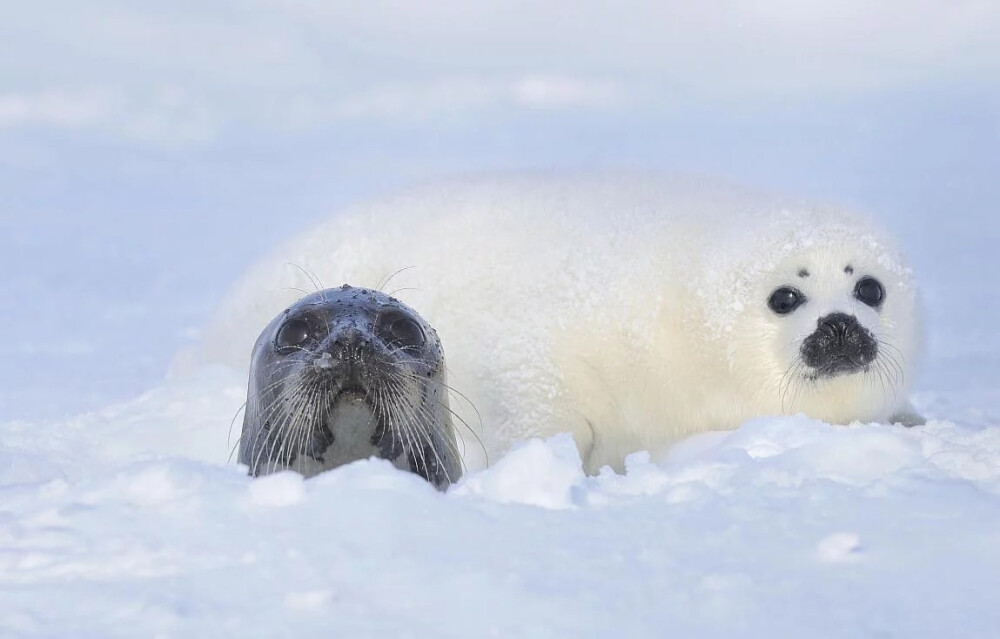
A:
[147,156]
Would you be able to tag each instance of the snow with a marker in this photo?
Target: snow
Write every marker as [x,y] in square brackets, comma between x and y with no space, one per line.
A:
[535,472]
[131,522]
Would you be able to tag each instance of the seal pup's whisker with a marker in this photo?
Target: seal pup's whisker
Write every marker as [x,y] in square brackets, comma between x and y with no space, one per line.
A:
[891,353]
[790,376]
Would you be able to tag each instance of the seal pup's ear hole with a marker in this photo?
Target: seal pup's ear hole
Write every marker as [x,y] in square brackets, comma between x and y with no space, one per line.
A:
[785,300]
[869,291]
[803,272]
[397,329]
[292,333]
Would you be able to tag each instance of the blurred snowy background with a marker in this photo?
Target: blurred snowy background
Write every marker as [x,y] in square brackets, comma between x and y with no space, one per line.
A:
[148,154]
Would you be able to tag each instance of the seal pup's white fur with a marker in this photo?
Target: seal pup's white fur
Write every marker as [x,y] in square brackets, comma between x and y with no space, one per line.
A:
[629,311]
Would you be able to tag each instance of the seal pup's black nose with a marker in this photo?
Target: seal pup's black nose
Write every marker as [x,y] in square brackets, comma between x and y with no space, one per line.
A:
[838,325]
[839,345]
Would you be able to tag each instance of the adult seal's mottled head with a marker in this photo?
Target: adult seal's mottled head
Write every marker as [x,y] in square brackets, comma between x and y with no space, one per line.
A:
[345,374]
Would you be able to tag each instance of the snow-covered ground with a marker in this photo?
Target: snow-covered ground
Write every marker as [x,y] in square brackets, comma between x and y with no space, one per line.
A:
[128,522]
[148,157]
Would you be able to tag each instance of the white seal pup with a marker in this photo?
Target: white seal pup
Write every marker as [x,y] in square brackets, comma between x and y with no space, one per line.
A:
[346,374]
[631,312]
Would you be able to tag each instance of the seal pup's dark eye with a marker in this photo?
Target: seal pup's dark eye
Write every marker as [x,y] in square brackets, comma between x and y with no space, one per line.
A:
[294,333]
[785,300]
[870,291]
[400,330]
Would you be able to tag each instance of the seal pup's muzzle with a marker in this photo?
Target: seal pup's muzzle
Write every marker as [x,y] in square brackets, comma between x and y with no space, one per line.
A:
[840,345]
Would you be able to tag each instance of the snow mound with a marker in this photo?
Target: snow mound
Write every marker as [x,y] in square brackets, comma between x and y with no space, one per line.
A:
[134,524]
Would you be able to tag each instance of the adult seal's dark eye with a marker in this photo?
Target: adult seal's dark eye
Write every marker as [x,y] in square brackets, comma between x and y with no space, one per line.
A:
[401,331]
[870,291]
[294,333]
[785,300]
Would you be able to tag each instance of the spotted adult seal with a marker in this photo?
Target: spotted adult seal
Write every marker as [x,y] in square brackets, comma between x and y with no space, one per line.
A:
[345,374]
[629,311]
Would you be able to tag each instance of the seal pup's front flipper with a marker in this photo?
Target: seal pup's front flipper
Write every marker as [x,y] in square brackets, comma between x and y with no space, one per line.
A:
[908,416]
